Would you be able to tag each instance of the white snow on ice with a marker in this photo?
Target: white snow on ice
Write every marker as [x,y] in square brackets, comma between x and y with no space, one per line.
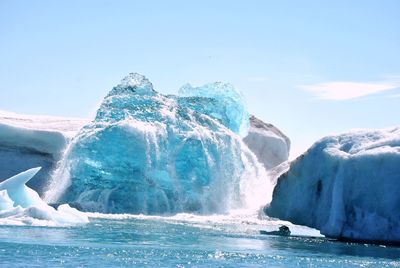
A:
[346,185]
[28,141]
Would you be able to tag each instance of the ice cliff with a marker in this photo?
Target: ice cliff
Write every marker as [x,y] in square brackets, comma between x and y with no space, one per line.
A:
[150,153]
[346,185]
[28,141]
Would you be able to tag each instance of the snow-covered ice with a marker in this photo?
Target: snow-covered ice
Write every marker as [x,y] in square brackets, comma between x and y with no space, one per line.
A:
[28,141]
[68,126]
[345,185]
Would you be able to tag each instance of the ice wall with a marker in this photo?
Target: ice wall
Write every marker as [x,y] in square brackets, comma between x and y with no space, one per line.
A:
[150,153]
[346,185]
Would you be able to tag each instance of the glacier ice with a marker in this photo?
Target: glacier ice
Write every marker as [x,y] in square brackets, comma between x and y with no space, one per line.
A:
[18,192]
[221,101]
[27,141]
[149,153]
[267,142]
[345,185]
[21,205]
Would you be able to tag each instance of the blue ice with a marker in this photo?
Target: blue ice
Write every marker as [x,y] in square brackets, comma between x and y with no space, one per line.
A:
[154,154]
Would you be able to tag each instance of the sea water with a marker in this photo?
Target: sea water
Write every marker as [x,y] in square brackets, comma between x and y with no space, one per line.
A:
[183,240]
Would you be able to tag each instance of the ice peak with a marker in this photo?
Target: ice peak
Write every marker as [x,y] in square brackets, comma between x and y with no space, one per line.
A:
[133,83]
[135,80]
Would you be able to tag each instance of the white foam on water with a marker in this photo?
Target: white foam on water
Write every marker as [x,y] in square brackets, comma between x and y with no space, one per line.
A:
[238,221]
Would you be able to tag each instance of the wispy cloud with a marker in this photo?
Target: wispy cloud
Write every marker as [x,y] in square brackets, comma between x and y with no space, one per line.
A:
[348,90]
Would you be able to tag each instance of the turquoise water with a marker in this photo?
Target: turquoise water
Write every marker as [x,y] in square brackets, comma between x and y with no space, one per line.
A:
[181,241]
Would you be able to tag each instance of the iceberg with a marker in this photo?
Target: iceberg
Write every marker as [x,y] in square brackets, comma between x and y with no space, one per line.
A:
[18,192]
[345,185]
[27,141]
[21,205]
[154,154]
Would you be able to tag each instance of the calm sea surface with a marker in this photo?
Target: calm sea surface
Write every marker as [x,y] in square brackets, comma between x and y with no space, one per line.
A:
[181,241]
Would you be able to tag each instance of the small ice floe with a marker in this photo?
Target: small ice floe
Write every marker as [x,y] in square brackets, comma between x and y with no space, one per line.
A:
[21,205]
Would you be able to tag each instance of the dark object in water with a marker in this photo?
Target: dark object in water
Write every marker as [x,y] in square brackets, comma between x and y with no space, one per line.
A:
[283,231]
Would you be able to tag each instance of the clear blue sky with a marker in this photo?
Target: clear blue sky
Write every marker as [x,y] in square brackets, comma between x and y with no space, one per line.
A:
[310,67]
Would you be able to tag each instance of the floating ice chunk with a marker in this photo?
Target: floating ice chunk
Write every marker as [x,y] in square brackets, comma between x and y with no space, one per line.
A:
[21,194]
[19,204]
[5,201]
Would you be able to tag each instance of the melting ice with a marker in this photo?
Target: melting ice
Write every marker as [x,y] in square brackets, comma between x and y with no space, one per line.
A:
[154,154]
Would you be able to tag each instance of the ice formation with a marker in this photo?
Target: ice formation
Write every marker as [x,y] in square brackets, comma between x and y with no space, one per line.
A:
[268,143]
[346,185]
[28,141]
[220,101]
[149,153]
[21,205]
